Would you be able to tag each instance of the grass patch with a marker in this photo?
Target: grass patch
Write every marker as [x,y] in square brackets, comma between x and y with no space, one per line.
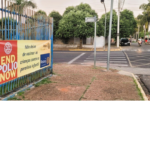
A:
[139,92]
[98,67]
[87,88]
[20,93]
[44,81]
[14,98]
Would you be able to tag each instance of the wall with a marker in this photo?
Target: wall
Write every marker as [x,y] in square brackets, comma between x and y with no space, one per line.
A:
[99,42]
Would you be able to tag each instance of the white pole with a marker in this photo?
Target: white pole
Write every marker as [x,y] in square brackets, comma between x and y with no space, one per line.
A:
[109,39]
[105,27]
[138,31]
[95,47]
[118,28]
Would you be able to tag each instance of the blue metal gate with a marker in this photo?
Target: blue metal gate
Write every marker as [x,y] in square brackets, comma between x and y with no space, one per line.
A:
[18,23]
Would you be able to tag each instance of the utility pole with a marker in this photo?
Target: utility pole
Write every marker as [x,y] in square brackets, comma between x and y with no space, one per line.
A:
[102,1]
[109,39]
[95,45]
[118,29]
[138,31]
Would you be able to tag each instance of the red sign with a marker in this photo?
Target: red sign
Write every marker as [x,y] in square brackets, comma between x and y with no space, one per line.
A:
[8,61]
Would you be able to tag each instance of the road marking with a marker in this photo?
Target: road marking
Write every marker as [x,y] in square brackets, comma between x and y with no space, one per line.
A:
[70,62]
[128,59]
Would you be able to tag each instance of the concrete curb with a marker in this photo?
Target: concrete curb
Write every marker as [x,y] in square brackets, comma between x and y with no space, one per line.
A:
[140,88]
[23,89]
[137,82]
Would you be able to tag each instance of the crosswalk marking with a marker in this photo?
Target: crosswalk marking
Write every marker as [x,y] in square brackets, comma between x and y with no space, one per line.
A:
[118,59]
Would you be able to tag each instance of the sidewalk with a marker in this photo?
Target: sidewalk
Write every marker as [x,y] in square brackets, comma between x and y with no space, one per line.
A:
[74,82]
[88,48]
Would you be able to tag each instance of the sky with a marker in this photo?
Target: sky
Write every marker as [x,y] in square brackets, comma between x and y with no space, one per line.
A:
[60,5]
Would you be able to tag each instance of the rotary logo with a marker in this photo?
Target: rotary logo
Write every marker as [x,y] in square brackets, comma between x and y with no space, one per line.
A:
[8,48]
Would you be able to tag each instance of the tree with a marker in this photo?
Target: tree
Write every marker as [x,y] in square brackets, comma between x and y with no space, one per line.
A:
[23,4]
[128,24]
[101,23]
[73,23]
[41,12]
[56,17]
[145,17]
[68,9]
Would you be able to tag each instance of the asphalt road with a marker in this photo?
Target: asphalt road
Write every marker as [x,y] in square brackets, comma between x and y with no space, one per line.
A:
[139,57]
[131,56]
[86,58]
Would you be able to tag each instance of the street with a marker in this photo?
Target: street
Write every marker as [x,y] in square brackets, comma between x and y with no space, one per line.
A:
[132,58]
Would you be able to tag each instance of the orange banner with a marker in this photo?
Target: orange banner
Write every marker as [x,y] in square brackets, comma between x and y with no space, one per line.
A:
[19,58]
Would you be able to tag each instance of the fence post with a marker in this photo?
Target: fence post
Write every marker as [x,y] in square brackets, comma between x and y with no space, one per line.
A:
[2,18]
[8,20]
[11,20]
[17,32]
[5,21]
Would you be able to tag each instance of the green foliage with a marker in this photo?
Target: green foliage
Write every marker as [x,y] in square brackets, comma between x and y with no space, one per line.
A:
[101,24]
[144,18]
[25,3]
[20,93]
[128,23]
[68,9]
[14,98]
[73,22]
[141,34]
[41,12]
[44,81]
[56,17]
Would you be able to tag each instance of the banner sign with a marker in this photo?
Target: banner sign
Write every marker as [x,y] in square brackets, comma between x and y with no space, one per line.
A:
[19,58]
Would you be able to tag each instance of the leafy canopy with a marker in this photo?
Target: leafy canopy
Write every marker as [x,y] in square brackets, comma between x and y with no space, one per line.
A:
[56,18]
[41,12]
[128,23]
[25,3]
[144,18]
[101,24]
[73,22]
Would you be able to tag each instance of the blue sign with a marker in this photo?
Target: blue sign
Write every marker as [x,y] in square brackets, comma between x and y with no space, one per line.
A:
[45,60]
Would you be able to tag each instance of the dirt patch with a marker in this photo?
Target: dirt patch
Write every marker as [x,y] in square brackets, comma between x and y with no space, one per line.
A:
[102,89]
[55,91]
[76,82]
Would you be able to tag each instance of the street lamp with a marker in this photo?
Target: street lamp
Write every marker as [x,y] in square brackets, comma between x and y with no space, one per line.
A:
[102,1]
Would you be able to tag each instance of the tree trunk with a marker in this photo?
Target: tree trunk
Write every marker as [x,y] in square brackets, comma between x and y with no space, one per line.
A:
[81,41]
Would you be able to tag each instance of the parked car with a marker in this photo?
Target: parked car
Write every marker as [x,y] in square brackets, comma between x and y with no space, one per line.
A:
[124,41]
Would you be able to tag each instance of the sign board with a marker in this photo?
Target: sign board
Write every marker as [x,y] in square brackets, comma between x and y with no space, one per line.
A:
[90,19]
[20,58]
